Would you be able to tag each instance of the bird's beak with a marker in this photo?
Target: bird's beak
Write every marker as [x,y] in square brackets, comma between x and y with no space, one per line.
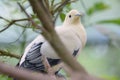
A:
[79,14]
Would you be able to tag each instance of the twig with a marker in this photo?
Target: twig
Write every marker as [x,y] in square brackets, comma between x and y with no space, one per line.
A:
[5,53]
[30,19]
[19,36]
[24,19]
[57,15]
[47,4]
[57,4]
[11,23]
[52,2]
[6,27]
[17,20]
[62,4]
[24,10]
[52,7]
[58,10]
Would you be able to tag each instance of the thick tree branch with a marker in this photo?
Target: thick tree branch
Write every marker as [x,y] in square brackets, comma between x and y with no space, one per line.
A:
[23,74]
[5,53]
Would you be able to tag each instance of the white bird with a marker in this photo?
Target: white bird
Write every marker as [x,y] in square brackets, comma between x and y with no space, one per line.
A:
[72,34]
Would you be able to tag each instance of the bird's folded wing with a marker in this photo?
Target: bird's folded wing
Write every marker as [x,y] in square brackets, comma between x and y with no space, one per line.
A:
[37,40]
[33,59]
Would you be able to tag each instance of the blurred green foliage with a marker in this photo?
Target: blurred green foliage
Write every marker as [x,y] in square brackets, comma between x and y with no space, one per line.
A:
[112,21]
[3,77]
[98,6]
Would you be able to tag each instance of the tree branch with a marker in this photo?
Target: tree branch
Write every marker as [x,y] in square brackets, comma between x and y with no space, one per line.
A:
[61,6]
[21,34]
[5,53]
[11,22]
[29,17]
[23,74]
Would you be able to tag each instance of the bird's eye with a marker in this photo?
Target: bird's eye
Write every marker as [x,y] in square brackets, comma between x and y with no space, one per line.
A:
[69,16]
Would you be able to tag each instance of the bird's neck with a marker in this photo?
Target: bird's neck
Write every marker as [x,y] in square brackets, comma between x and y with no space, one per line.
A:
[72,23]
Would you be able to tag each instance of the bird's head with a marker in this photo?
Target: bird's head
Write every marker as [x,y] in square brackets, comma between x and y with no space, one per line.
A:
[73,17]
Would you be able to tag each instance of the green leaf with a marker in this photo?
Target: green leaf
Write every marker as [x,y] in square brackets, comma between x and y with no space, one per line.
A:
[113,21]
[99,6]
[62,16]
[68,7]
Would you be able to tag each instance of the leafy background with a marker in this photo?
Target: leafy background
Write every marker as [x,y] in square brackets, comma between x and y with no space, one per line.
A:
[101,56]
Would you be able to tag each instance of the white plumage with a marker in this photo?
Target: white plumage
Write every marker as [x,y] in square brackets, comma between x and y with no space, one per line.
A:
[72,34]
